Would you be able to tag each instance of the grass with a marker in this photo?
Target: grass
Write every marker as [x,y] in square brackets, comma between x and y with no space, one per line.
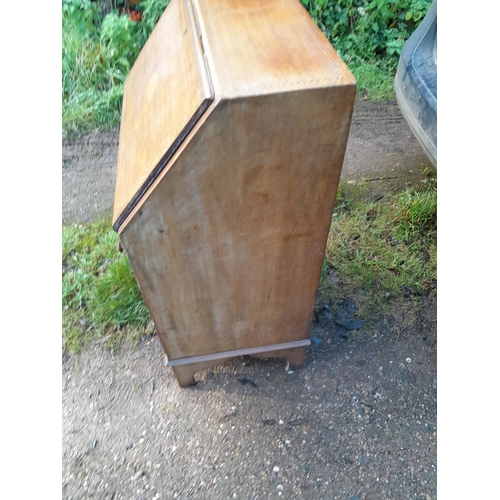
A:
[375,83]
[380,251]
[369,36]
[99,47]
[100,297]
[376,253]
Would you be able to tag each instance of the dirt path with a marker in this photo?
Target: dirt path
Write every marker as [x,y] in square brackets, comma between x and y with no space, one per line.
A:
[357,422]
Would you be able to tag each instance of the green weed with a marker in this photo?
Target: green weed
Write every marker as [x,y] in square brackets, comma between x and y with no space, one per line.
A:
[99,47]
[100,297]
[384,250]
[369,36]
[116,298]
[375,81]
[416,215]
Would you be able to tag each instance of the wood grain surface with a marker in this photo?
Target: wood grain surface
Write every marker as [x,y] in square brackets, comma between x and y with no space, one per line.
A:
[165,93]
[258,47]
[234,128]
[228,245]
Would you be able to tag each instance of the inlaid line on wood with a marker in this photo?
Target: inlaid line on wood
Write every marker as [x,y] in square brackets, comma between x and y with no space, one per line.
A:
[301,11]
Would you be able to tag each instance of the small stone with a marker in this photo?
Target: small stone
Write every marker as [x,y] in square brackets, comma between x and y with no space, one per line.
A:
[290,372]
[138,475]
[280,422]
[341,332]
[276,468]
[297,422]
[245,380]
[350,325]
[269,421]
[316,340]
[280,487]
[334,279]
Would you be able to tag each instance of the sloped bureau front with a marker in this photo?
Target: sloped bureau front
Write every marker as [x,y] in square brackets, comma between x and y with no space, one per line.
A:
[227,242]
[166,92]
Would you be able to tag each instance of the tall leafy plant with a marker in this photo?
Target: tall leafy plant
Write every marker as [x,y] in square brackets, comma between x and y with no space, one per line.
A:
[100,45]
[368,34]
